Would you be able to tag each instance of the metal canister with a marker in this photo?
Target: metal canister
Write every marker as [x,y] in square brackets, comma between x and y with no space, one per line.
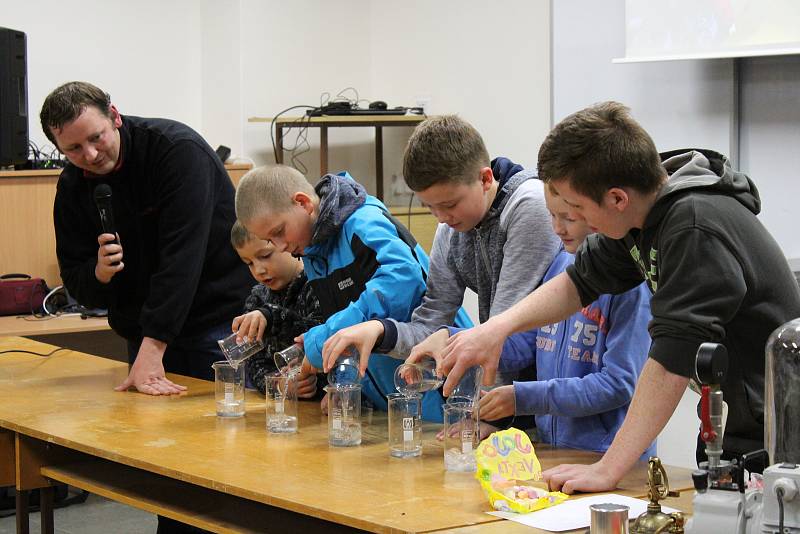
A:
[609,518]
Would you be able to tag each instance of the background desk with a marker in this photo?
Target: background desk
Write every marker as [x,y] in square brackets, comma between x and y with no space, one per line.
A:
[26,221]
[64,421]
[323,123]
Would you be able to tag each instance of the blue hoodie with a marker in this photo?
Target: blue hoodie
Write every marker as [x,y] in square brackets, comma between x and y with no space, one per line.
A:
[362,264]
[586,367]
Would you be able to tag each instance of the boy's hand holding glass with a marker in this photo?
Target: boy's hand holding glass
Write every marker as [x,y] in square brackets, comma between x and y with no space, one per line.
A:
[250,326]
[498,403]
[480,345]
[431,347]
[362,336]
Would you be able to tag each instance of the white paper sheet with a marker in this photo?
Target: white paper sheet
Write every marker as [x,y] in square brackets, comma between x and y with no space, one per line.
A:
[574,513]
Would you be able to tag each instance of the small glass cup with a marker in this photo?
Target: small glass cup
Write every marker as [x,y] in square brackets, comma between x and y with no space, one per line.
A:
[460,436]
[289,360]
[417,378]
[281,403]
[346,369]
[468,389]
[344,415]
[405,436]
[228,389]
[235,352]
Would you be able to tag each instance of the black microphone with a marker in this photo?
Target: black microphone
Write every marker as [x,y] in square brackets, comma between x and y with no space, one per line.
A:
[102,199]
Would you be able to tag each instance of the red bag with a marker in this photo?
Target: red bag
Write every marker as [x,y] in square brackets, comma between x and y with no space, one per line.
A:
[20,294]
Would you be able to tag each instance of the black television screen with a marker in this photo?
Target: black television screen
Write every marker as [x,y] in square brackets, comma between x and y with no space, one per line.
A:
[13,98]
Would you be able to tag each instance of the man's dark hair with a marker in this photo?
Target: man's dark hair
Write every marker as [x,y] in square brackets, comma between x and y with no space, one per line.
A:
[67,102]
[445,149]
[598,148]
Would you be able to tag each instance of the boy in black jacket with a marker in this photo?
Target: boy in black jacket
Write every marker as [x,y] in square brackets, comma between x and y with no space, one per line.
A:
[686,223]
[280,307]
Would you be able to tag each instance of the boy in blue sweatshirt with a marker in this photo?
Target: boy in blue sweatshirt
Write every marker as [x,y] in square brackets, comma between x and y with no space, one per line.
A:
[361,263]
[586,366]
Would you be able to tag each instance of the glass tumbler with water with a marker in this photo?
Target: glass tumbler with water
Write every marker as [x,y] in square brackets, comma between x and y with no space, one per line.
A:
[281,403]
[344,415]
[346,369]
[228,389]
[237,352]
[417,378]
[289,360]
[460,436]
[405,437]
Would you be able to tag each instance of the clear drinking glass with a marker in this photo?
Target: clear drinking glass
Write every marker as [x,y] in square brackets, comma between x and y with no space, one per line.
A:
[460,436]
[235,352]
[290,360]
[405,436]
[417,378]
[468,389]
[228,389]
[281,403]
[346,369]
[344,415]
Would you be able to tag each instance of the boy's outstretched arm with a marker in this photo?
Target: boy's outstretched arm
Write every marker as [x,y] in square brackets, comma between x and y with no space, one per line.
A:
[657,394]
[552,302]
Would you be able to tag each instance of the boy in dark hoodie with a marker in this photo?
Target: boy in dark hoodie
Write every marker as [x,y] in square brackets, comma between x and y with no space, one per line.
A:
[360,262]
[685,222]
[280,307]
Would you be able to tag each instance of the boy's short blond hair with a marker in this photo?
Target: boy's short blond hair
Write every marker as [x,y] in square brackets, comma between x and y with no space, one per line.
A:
[444,149]
[269,190]
[239,235]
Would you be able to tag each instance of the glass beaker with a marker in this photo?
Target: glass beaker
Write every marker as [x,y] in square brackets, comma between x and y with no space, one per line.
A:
[228,389]
[346,369]
[782,394]
[405,437]
[344,415]
[417,378]
[281,403]
[460,436]
[289,360]
[235,352]
[468,389]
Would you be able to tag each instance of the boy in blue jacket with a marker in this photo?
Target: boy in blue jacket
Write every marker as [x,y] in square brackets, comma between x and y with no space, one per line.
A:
[586,366]
[361,263]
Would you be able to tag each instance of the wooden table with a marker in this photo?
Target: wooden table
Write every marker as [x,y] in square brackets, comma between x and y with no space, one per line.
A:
[27,325]
[324,122]
[63,422]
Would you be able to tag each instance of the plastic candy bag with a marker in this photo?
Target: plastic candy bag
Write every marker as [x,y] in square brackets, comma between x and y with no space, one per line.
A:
[507,470]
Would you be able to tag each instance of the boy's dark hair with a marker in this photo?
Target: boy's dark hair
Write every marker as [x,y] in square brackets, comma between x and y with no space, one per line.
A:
[68,101]
[240,236]
[598,148]
[444,149]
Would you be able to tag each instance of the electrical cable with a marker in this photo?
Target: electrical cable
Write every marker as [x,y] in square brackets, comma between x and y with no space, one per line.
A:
[20,351]
[272,126]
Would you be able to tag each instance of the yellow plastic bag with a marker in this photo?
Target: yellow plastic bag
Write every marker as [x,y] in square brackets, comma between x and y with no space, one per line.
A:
[507,469]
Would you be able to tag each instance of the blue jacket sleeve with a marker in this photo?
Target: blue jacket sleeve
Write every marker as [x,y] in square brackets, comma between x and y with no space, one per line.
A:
[519,350]
[394,290]
[626,349]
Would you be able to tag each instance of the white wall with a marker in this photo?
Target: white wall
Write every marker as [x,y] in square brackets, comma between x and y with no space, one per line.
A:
[144,53]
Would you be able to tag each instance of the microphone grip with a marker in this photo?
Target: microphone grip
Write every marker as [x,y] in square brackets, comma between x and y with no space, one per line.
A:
[107,221]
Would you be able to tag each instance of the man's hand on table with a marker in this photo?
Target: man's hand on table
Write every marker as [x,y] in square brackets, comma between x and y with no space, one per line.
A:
[147,372]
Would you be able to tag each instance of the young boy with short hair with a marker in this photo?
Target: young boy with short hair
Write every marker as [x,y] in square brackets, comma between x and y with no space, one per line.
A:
[494,235]
[360,261]
[586,365]
[279,308]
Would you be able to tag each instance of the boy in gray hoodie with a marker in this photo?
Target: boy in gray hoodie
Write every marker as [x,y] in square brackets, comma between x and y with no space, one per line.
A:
[685,222]
[494,236]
